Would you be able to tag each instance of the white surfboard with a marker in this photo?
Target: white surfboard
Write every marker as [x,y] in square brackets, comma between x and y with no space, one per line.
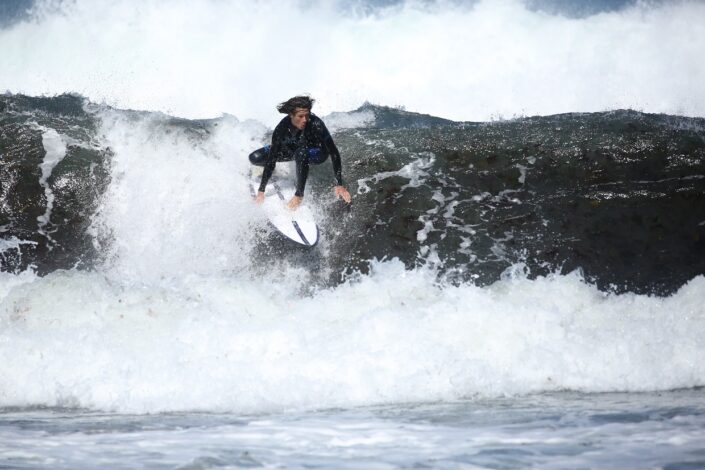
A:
[298,225]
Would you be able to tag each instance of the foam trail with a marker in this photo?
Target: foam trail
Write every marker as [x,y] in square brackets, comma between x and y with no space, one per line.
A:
[464,62]
[55,148]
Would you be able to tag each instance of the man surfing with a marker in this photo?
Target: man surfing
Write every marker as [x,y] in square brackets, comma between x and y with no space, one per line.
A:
[300,136]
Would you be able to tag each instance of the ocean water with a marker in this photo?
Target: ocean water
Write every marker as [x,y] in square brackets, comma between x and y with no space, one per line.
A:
[566,430]
[518,282]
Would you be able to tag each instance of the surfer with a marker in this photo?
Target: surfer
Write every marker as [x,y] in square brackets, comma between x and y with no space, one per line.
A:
[300,136]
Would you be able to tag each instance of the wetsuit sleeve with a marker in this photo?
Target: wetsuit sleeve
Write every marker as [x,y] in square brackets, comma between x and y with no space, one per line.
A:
[266,174]
[332,150]
[301,176]
[274,151]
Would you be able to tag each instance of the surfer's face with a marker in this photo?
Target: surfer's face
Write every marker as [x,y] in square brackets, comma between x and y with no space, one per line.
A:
[300,117]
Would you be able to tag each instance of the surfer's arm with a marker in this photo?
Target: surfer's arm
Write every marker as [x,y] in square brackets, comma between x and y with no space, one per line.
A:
[332,150]
[301,177]
[266,174]
[339,190]
[335,160]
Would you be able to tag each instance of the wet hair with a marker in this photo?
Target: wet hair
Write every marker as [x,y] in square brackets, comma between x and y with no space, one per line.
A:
[302,101]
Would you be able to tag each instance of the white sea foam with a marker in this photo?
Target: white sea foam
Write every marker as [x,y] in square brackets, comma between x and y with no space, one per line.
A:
[177,203]
[349,120]
[414,171]
[478,61]
[55,151]
[175,319]
[232,343]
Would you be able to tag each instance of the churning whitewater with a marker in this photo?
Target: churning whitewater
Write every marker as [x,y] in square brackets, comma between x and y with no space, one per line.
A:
[224,344]
[186,284]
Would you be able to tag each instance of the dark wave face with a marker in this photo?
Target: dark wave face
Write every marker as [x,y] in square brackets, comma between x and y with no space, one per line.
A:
[620,195]
[75,184]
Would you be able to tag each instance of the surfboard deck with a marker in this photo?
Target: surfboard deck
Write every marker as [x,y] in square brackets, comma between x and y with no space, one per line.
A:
[298,225]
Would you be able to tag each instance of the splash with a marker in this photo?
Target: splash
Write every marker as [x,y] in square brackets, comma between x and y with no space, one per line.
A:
[475,61]
[77,339]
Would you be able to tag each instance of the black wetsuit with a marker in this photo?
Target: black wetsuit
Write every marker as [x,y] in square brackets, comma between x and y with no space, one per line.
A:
[312,145]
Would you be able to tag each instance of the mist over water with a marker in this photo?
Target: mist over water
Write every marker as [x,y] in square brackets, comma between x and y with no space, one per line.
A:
[459,60]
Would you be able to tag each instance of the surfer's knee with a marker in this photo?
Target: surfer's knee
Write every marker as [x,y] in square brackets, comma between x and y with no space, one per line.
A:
[310,155]
[260,157]
[316,155]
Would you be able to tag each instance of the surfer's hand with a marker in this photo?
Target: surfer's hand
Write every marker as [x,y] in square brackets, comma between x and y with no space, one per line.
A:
[294,203]
[343,193]
[259,199]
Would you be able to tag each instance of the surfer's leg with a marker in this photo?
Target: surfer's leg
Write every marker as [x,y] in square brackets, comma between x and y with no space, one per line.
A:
[316,155]
[260,157]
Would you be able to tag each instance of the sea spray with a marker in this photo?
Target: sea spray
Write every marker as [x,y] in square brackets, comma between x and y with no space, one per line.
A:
[458,60]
